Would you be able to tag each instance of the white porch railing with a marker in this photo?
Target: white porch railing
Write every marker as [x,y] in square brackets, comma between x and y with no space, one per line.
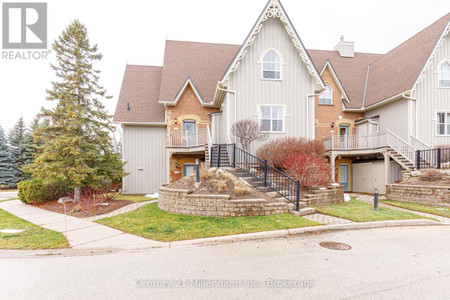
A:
[355,142]
[378,140]
[186,139]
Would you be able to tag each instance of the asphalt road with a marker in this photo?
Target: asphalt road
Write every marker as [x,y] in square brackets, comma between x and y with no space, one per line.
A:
[385,263]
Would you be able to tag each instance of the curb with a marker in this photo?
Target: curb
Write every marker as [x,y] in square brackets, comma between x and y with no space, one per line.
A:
[302,230]
[5,254]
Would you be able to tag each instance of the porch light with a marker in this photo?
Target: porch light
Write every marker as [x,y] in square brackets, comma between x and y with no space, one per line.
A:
[332,125]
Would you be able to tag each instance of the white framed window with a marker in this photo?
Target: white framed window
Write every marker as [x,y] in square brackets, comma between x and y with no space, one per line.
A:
[271,65]
[271,118]
[444,74]
[443,123]
[326,98]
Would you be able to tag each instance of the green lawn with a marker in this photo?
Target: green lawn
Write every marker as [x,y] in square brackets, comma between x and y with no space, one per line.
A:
[153,223]
[135,198]
[34,237]
[362,212]
[441,211]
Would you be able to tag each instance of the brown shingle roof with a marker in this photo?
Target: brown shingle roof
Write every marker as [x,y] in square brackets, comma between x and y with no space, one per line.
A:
[397,71]
[204,63]
[351,71]
[140,89]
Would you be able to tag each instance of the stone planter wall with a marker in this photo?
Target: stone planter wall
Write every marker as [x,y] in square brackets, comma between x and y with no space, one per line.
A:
[182,202]
[332,195]
[427,195]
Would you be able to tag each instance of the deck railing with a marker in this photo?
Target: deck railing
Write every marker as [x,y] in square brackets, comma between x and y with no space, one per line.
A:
[355,142]
[186,139]
[433,158]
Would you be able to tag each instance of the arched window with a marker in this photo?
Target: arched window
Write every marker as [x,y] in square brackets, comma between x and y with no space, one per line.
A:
[271,66]
[326,97]
[444,74]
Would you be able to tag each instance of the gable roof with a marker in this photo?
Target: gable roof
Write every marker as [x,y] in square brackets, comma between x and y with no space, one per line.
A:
[204,63]
[139,93]
[350,71]
[397,71]
[274,9]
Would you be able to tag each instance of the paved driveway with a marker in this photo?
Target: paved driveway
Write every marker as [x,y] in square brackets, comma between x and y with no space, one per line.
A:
[7,195]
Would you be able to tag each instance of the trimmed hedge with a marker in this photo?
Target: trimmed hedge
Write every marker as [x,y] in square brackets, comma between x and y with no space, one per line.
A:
[38,191]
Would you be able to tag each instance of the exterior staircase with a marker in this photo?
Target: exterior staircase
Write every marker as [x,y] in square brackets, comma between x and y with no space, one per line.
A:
[400,159]
[221,151]
[274,196]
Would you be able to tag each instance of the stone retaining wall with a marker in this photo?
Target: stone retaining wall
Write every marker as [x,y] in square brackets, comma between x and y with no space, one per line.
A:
[182,202]
[427,195]
[332,195]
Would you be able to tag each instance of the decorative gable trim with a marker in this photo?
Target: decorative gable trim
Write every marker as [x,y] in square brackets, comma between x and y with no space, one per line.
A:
[432,55]
[181,92]
[335,78]
[273,9]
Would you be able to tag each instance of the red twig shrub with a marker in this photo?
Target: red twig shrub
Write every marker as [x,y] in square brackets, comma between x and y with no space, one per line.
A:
[309,169]
[276,150]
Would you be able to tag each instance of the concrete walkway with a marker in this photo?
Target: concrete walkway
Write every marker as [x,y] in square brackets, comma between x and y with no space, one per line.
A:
[326,219]
[120,211]
[81,234]
[369,199]
[7,195]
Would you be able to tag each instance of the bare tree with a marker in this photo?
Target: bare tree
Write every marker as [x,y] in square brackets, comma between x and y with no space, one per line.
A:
[248,131]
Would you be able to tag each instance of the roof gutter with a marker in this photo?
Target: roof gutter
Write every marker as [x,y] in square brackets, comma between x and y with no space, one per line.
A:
[142,123]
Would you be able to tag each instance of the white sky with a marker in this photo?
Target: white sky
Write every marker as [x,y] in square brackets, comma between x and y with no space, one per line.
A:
[134,32]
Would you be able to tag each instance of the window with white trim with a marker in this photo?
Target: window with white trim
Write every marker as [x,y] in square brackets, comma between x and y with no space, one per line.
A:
[443,123]
[326,98]
[271,65]
[271,118]
[444,74]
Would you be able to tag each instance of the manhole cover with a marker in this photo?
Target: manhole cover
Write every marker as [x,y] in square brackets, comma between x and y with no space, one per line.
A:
[335,246]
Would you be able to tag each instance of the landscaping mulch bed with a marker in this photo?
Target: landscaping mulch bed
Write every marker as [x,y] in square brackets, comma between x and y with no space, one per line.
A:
[54,206]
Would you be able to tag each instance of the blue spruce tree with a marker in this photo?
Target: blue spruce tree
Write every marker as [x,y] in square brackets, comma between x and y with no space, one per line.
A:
[7,171]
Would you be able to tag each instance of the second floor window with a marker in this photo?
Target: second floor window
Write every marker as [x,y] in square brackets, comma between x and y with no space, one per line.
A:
[443,123]
[326,98]
[271,118]
[271,65]
[444,74]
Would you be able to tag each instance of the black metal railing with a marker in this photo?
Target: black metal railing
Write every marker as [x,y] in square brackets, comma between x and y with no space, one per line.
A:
[271,177]
[438,158]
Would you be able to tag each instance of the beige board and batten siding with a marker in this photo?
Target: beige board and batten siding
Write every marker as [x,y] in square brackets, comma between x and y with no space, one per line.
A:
[430,99]
[145,157]
[392,116]
[371,175]
[292,90]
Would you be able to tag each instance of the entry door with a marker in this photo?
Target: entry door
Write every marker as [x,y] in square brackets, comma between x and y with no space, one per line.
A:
[344,178]
[188,169]
[189,134]
[344,136]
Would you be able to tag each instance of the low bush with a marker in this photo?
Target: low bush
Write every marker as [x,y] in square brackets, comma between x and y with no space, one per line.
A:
[309,169]
[241,189]
[276,151]
[38,191]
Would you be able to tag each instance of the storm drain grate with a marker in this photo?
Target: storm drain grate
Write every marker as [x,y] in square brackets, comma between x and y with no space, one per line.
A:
[336,246]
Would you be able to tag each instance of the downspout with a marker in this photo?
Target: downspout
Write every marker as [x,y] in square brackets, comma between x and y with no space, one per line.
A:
[307,115]
[415,117]
[235,112]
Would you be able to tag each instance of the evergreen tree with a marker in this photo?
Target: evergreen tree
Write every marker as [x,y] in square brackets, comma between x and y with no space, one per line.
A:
[31,146]
[77,147]
[7,177]
[16,137]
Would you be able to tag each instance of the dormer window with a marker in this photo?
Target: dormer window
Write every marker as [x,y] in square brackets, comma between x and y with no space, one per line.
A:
[326,98]
[444,74]
[271,65]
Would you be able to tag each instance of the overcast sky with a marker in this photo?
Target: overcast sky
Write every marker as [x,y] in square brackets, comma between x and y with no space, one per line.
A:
[134,32]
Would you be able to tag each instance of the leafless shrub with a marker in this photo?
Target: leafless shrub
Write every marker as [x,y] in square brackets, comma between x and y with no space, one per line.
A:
[248,131]
[240,189]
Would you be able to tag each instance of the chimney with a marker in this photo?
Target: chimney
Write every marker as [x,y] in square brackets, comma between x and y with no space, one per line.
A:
[345,49]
